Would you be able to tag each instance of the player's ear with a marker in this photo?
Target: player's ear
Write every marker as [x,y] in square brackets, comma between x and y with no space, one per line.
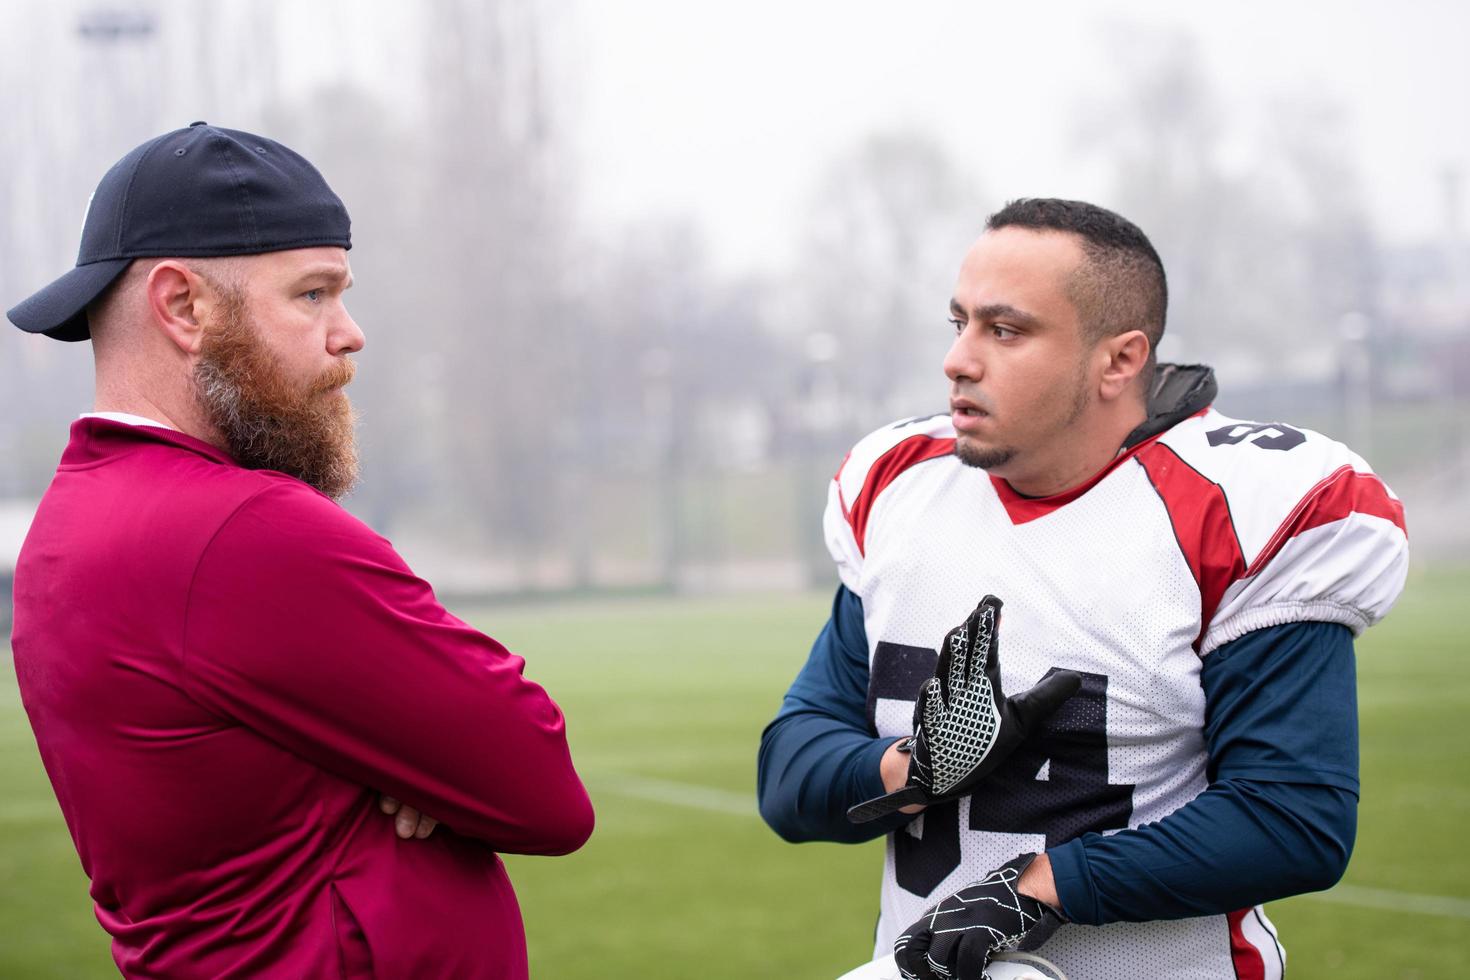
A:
[179,301]
[1125,356]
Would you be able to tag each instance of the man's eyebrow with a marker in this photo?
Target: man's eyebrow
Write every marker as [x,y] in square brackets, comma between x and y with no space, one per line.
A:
[331,273]
[994,311]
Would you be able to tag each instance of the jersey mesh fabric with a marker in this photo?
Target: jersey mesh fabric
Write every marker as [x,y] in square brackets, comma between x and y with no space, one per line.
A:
[1102,584]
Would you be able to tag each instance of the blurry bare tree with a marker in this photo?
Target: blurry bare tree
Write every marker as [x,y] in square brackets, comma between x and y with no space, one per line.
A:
[1277,277]
[490,267]
[81,83]
[677,382]
[1265,255]
[550,405]
[368,155]
[888,223]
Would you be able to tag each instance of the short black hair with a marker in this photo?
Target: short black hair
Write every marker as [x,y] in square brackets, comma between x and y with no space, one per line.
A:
[1122,285]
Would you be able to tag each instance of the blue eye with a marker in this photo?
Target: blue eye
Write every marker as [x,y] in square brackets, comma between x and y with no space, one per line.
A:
[313,295]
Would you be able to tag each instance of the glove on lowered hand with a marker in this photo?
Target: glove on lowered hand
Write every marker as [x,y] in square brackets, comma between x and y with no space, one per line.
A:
[955,939]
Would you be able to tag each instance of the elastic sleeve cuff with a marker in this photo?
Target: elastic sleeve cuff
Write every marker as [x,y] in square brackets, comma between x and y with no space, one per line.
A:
[1281,614]
[1073,880]
[869,781]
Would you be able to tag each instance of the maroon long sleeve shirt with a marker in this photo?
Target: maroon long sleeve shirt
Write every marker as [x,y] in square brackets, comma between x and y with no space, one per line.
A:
[224,669]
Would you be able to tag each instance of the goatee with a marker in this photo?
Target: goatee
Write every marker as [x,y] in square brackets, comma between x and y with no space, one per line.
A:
[983,458]
[268,421]
[991,457]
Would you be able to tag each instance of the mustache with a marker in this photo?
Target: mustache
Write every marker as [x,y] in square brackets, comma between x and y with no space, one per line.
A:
[975,398]
[339,375]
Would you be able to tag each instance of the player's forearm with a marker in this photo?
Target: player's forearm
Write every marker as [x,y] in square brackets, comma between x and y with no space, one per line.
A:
[819,756]
[1279,817]
[811,769]
[1238,844]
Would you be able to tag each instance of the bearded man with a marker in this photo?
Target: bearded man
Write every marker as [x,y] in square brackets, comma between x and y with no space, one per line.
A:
[232,681]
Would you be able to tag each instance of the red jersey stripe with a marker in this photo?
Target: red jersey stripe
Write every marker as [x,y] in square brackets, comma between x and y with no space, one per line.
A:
[886,469]
[1344,492]
[837,479]
[1246,958]
[1200,515]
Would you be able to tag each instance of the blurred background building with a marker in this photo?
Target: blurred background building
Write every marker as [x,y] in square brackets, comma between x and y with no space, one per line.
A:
[635,276]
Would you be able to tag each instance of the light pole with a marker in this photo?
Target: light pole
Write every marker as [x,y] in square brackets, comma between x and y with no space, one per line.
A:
[1355,376]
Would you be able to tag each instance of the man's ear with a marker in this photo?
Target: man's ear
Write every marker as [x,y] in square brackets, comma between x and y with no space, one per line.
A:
[1127,355]
[180,301]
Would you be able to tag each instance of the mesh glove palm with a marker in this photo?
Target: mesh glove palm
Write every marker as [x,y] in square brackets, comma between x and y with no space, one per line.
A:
[955,938]
[964,725]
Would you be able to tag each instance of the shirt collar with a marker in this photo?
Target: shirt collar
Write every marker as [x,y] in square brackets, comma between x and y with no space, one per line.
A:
[126,419]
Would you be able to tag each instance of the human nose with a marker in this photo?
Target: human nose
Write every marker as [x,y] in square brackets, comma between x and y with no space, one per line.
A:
[963,362]
[346,336]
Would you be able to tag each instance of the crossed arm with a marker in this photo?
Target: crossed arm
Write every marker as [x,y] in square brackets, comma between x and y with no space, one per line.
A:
[339,637]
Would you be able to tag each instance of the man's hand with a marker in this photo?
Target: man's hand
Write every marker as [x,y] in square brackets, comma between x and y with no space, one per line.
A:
[408,822]
[964,725]
[955,939]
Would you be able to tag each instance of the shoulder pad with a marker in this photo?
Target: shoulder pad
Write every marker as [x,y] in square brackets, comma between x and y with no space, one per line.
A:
[870,467]
[880,456]
[1265,470]
[1278,523]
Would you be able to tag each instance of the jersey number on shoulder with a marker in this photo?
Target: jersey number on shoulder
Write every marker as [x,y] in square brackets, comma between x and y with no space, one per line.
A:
[1056,783]
[1271,435]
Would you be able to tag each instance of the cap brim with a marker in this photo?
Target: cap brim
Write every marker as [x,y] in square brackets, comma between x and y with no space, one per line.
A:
[60,309]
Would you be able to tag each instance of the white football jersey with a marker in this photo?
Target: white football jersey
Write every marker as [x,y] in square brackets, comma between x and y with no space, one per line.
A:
[1187,541]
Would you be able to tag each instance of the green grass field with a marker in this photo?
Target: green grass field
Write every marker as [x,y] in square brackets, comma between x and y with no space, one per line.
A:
[666,699]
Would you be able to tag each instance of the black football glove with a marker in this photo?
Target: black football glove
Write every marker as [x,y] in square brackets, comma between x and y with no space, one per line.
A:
[955,939]
[964,725]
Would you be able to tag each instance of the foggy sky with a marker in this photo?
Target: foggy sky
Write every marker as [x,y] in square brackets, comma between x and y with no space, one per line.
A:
[726,110]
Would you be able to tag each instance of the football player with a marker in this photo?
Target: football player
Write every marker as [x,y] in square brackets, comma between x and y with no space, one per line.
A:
[1167,737]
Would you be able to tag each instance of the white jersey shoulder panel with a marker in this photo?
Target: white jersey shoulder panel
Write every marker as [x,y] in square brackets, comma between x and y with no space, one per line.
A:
[878,459]
[1280,524]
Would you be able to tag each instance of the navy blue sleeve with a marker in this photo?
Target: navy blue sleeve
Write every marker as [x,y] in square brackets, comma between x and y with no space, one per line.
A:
[1280,813]
[819,756]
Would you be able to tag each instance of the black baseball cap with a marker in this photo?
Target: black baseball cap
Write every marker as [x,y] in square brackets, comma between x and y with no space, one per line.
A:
[199,191]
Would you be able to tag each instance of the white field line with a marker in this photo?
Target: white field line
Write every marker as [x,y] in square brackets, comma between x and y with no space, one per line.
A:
[688,795]
[708,798]
[1392,901]
[714,800]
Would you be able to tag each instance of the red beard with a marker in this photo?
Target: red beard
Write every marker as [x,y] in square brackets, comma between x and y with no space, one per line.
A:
[268,421]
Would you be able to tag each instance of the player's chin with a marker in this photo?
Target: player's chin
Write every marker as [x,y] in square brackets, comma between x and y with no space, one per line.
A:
[981,455]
